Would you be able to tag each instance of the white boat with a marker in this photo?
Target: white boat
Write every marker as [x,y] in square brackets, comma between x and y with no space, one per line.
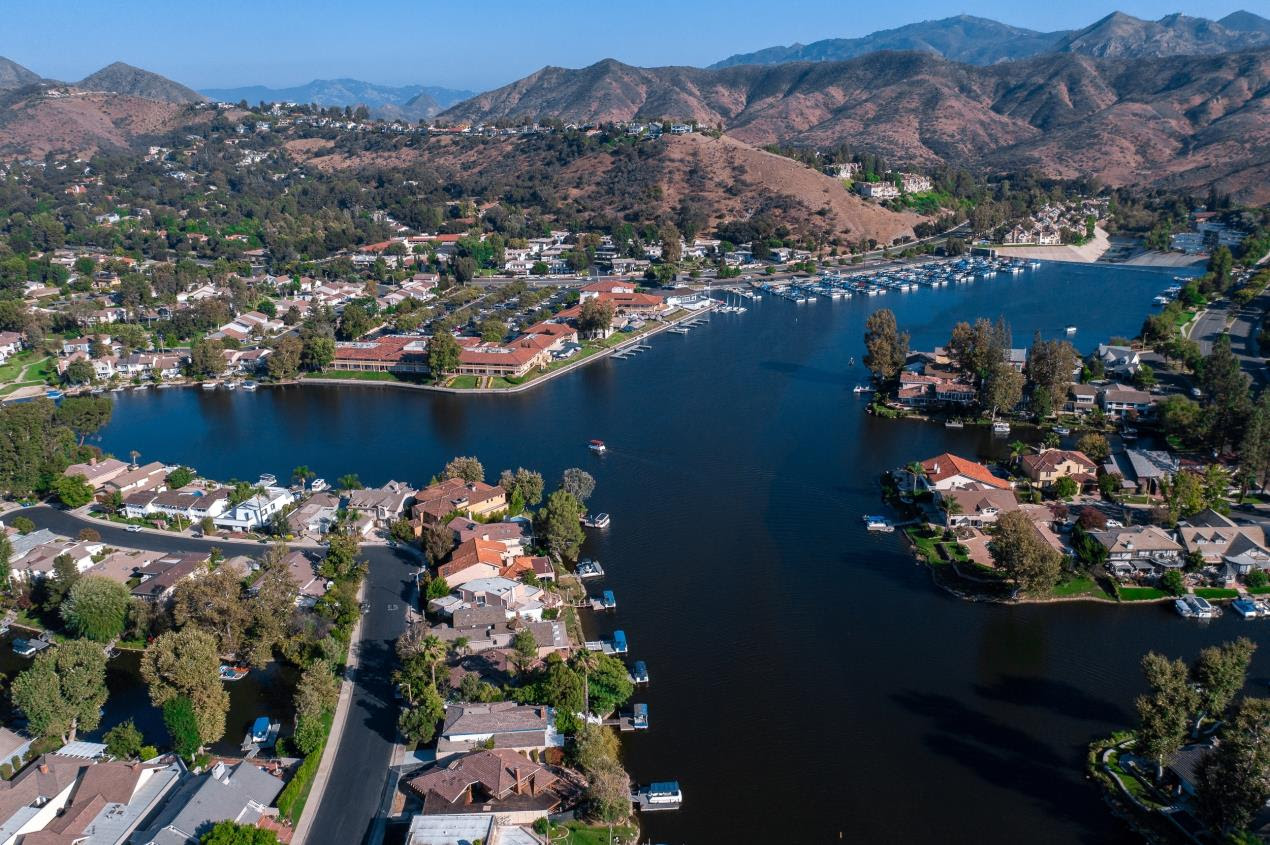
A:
[588,568]
[597,446]
[1062,430]
[1195,607]
[209,385]
[862,388]
[268,479]
[231,385]
[317,485]
[1248,608]
[249,385]
[954,424]
[878,523]
[662,795]
[1071,330]
[1000,427]
[600,520]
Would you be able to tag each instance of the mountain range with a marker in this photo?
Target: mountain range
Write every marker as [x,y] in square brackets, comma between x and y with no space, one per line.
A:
[979,41]
[409,102]
[1185,120]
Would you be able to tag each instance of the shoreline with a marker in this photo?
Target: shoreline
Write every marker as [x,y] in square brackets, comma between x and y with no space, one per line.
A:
[516,388]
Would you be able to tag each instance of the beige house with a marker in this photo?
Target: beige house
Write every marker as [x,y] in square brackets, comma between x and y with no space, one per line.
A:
[1053,464]
[471,498]
[976,508]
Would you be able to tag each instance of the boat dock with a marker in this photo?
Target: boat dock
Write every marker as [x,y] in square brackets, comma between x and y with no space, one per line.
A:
[659,795]
[615,645]
[636,720]
[605,601]
[588,568]
[30,647]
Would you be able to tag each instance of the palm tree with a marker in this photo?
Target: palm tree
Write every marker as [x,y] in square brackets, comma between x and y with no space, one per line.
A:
[302,474]
[1017,450]
[587,661]
[917,471]
[950,506]
[134,454]
[433,651]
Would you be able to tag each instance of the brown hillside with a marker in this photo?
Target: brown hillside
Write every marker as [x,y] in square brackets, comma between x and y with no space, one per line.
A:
[82,122]
[724,178]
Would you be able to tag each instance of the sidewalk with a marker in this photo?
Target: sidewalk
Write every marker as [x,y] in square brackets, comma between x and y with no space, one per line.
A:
[331,749]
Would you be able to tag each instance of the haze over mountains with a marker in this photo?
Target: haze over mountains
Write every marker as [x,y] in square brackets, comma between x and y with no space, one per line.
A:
[409,102]
[1176,102]
[979,41]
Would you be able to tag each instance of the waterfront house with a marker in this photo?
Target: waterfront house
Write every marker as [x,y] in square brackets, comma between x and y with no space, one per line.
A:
[495,780]
[951,472]
[39,561]
[926,388]
[500,724]
[458,828]
[383,503]
[486,628]
[309,585]
[160,577]
[256,511]
[315,516]
[1121,361]
[1081,397]
[512,597]
[35,796]
[1118,400]
[242,793]
[152,476]
[106,804]
[1140,550]
[1232,550]
[470,498]
[473,559]
[1052,464]
[976,508]
[97,472]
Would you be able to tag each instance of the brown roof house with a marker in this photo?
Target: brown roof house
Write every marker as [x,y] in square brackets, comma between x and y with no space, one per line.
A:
[976,508]
[498,780]
[504,724]
[470,498]
[384,503]
[1236,550]
[473,559]
[1052,464]
[1139,550]
[97,472]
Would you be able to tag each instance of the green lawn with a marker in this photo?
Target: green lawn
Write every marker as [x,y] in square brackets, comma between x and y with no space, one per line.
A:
[1211,593]
[356,375]
[11,369]
[1259,591]
[1085,586]
[463,382]
[1141,594]
[581,834]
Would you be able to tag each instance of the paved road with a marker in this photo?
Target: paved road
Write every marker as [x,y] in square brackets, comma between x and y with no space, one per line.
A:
[361,763]
[1243,332]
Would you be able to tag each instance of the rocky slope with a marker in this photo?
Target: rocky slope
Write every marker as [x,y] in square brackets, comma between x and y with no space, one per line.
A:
[13,75]
[1178,120]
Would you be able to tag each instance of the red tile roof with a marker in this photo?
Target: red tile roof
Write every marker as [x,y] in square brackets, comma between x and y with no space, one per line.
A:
[947,465]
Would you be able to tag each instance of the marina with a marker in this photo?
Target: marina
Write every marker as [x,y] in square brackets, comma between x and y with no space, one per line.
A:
[970,692]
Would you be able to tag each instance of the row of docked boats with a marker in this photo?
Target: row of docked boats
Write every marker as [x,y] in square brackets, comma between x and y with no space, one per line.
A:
[247,384]
[832,284]
[1250,608]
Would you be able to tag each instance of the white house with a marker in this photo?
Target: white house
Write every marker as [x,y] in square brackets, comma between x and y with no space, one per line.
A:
[256,511]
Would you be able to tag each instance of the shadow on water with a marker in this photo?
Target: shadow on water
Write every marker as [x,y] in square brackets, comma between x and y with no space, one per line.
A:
[999,755]
[802,372]
[1061,697]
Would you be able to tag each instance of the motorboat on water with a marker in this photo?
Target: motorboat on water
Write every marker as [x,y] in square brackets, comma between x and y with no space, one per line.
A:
[597,446]
[878,523]
[1195,607]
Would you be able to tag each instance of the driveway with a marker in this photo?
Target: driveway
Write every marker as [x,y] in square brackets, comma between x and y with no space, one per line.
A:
[364,754]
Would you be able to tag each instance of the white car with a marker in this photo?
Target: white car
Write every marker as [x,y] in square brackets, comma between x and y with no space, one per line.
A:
[133,528]
[1114,523]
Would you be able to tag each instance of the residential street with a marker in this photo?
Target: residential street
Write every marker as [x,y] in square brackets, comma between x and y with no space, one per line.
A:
[360,765]
[1243,332]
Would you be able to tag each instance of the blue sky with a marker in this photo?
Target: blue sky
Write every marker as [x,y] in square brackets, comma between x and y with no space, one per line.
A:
[478,44]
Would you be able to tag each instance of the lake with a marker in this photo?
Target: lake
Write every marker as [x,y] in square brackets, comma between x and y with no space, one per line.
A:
[809,683]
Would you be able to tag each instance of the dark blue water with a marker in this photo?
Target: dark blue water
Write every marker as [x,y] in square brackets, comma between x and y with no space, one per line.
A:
[809,683]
